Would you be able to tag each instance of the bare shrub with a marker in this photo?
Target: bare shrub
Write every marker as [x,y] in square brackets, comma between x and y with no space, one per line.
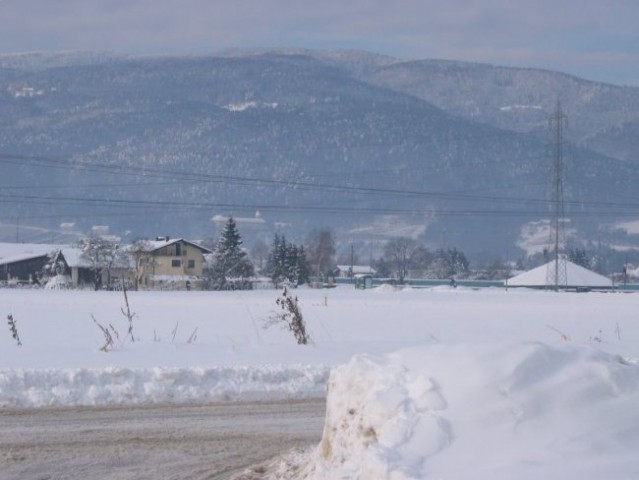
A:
[110,332]
[108,338]
[14,329]
[291,316]
[128,314]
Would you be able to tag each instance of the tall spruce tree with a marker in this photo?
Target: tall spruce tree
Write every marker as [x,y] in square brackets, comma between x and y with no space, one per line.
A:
[231,266]
[579,256]
[287,262]
[303,267]
[275,264]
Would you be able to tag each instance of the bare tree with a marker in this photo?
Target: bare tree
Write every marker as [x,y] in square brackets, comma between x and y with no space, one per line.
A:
[259,254]
[102,255]
[142,260]
[399,252]
[320,251]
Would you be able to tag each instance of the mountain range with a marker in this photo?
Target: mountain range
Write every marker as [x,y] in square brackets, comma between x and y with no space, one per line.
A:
[449,153]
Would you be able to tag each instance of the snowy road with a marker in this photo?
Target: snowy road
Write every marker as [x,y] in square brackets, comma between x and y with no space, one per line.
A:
[211,441]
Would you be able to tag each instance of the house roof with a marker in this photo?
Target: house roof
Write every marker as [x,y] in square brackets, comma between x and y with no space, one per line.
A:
[21,257]
[357,269]
[576,276]
[17,252]
[73,258]
[157,244]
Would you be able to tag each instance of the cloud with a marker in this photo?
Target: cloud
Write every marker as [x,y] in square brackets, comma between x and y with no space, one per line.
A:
[546,32]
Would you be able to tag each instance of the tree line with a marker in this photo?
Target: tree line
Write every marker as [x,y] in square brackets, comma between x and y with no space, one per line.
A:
[230,267]
[286,263]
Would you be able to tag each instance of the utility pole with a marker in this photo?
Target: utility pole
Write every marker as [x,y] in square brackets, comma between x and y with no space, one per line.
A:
[352,263]
[625,271]
[556,275]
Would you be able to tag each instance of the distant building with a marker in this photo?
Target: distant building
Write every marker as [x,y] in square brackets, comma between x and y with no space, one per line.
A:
[70,263]
[174,264]
[23,262]
[345,271]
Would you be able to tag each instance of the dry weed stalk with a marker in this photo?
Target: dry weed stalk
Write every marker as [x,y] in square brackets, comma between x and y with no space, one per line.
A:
[14,329]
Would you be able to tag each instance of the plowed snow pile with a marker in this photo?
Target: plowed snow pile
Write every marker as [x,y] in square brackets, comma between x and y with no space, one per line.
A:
[525,411]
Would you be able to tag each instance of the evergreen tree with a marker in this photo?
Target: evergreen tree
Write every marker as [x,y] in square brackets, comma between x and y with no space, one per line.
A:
[287,263]
[449,263]
[290,263]
[383,267]
[274,262]
[459,263]
[231,267]
[303,266]
[579,256]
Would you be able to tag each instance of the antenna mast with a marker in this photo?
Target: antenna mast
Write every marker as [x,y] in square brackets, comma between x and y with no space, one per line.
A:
[556,276]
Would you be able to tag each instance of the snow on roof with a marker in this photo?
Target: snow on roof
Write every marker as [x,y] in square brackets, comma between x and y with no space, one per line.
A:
[157,244]
[73,257]
[21,257]
[11,249]
[357,269]
[576,276]
[16,252]
[163,242]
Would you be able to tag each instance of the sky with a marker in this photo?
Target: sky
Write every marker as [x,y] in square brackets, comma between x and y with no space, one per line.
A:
[593,39]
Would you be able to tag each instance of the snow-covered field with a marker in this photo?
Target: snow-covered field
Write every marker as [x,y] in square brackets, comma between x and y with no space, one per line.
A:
[432,383]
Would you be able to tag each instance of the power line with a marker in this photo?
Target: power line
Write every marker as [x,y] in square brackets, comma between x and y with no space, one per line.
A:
[181,176]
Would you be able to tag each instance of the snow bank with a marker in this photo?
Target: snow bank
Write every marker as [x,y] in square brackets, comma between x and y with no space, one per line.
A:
[114,385]
[524,411]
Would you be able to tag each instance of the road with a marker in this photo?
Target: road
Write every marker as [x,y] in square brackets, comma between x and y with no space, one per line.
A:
[214,441]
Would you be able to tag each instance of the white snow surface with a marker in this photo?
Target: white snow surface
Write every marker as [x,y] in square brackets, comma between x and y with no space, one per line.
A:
[523,411]
[422,383]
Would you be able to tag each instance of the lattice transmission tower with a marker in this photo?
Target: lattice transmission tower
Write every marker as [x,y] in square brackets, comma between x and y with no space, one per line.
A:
[556,275]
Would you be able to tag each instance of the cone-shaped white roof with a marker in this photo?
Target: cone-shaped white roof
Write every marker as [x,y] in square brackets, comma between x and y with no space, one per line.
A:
[576,276]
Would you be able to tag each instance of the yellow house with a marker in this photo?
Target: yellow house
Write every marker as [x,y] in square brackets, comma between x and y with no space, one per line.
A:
[171,264]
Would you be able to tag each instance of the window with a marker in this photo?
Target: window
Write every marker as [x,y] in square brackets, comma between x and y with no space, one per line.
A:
[191,263]
[176,263]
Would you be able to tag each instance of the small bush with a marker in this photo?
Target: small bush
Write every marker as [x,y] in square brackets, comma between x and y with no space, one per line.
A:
[128,314]
[108,338]
[14,329]
[291,316]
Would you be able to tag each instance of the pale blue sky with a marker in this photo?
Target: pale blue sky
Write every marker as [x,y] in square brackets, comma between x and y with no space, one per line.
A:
[594,39]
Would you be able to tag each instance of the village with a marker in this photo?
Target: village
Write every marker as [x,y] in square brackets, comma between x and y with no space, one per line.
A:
[166,263]
[100,262]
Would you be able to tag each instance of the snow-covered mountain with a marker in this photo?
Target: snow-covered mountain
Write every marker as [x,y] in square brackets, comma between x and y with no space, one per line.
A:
[341,139]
